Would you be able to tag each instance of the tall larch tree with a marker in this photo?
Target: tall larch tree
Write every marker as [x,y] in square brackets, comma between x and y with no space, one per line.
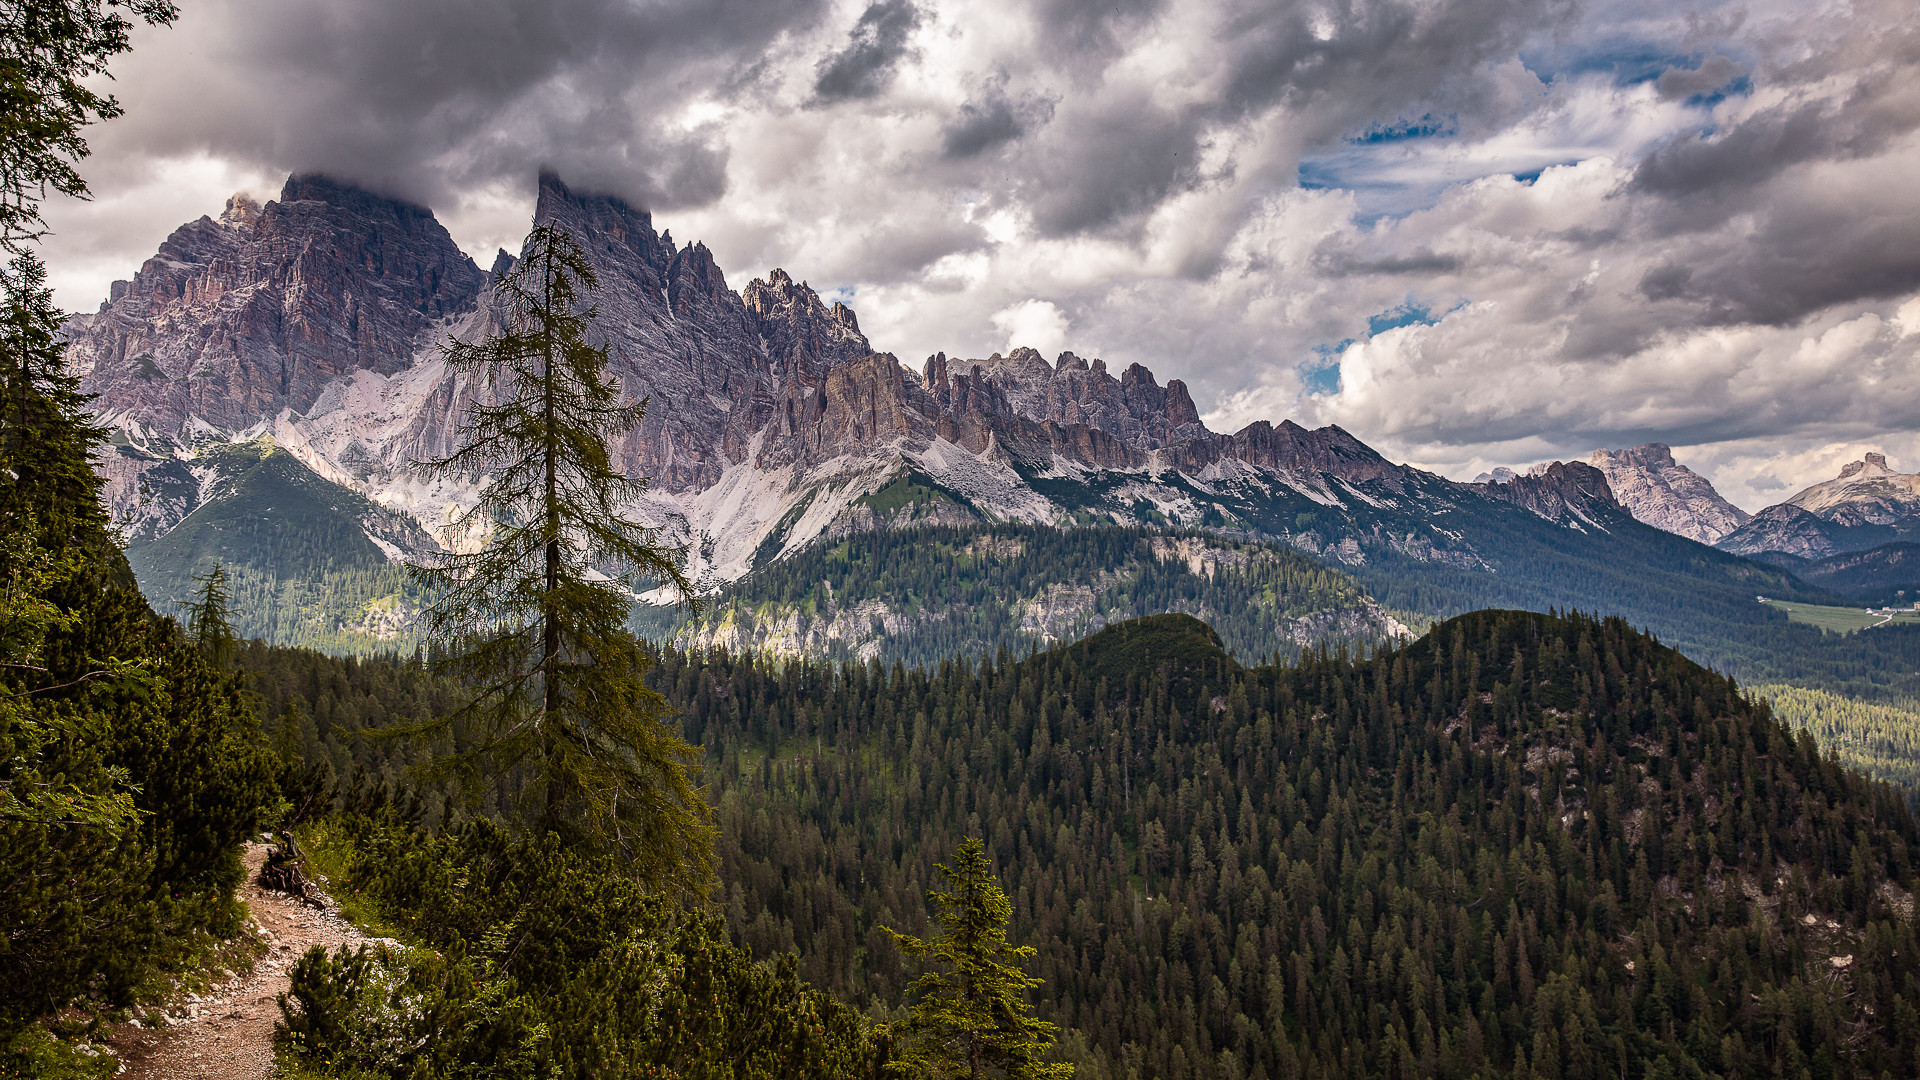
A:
[534,621]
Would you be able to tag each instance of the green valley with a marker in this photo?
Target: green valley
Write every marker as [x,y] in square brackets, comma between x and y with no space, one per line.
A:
[310,562]
[1843,620]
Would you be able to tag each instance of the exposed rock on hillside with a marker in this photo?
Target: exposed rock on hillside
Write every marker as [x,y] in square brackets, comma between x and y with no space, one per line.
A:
[1866,492]
[236,319]
[1666,494]
[1565,492]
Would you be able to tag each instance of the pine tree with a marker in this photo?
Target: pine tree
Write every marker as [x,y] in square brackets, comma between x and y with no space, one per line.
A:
[127,778]
[50,51]
[972,1019]
[535,622]
[208,621]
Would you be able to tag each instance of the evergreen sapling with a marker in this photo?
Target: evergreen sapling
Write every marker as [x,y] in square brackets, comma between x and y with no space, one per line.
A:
[972,1019]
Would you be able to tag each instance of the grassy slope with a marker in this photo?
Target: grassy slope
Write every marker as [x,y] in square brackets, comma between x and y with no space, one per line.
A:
[301,567]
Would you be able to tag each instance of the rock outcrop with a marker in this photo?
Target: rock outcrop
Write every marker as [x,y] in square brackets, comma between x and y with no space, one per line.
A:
[1666,494]
[1783,528]
[234,320]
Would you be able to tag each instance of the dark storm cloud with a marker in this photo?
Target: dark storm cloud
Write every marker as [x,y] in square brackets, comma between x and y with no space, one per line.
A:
[1117,161]
[1108,161]
[875,47]
[1364,57]
[1750,154]
[992,120]
[1084,32]
[1881,108]
[1419,262]
[1713,74]
[430,97]
[1803,259]
[1807,245]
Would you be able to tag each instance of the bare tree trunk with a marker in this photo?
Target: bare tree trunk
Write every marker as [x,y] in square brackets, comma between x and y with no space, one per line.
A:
[550,628]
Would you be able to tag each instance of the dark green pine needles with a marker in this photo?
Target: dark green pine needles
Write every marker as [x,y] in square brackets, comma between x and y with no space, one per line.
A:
[972,1019]
[535,619]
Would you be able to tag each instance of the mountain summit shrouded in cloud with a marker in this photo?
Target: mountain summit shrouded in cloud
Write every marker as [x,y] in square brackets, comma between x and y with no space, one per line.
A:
[1619,224]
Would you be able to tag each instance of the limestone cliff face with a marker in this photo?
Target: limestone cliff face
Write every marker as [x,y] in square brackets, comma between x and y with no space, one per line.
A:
[1072,393]
[317,321]
[1666,494]
[1867,492]
[1784,528]
[233,320]
[1291,448]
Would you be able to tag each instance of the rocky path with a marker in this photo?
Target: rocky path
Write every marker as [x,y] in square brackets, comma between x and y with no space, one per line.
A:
[227,1033]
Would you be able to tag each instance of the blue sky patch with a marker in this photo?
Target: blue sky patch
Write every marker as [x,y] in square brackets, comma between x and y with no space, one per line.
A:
[1531,175]
[1406,314]
[1321,373]
[1427,127]
[1629,62]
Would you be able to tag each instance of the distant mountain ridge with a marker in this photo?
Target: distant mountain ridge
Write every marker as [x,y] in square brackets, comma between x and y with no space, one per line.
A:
[1643,480]
[1867,505]
[314,323]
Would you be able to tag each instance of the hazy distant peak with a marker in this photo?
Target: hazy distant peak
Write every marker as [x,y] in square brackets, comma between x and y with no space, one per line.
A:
[1666,494]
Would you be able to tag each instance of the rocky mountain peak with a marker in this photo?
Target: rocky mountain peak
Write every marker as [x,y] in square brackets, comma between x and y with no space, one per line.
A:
[317,318]
[1868,504]
[242,212]
[1647,455]
[1867,492]
[615,232]
[1667,495]
[798,332]
[282,299]
[1877,463]
[1559,490]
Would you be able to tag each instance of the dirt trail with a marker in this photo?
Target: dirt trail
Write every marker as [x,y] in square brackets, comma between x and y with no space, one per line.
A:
[227,1033]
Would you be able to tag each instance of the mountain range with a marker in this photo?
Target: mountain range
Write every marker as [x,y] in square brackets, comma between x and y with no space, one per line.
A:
[270,376]
[1853,535]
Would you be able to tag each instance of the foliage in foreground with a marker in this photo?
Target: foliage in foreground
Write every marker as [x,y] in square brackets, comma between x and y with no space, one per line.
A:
[1436,855]
[524,958]
[127,778]
[534,622]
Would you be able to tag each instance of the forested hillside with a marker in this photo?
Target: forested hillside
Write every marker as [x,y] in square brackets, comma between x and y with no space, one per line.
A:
[929,594]
[297,550]
[1521,843]
[1542,846]
[1701,601]
[1881,740]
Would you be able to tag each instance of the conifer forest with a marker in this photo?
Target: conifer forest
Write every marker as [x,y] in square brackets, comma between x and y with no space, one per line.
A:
[1380,776]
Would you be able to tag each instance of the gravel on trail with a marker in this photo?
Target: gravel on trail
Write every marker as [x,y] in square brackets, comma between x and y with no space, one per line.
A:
[226,1033]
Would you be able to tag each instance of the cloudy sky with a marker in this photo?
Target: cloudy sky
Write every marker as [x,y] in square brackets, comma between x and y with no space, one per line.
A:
[1472,232]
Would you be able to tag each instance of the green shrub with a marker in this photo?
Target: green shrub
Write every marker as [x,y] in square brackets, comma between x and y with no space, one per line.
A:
[530,959]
